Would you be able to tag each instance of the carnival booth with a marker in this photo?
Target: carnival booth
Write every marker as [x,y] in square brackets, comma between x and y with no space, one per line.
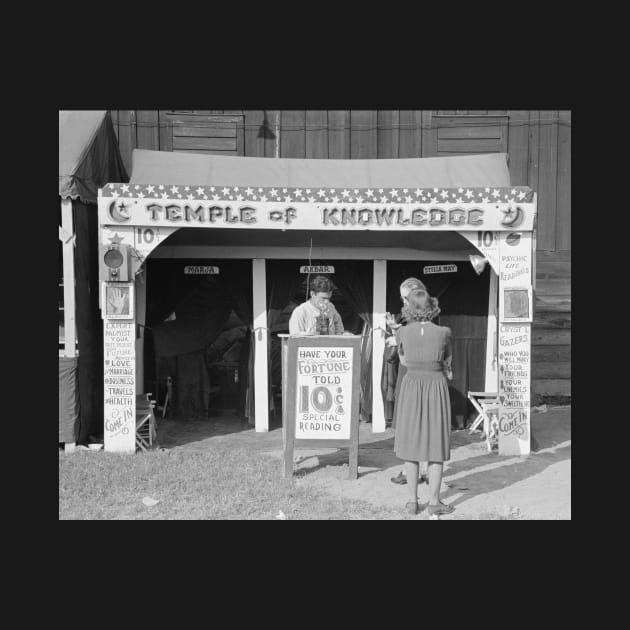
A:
[203,258]
[88,159]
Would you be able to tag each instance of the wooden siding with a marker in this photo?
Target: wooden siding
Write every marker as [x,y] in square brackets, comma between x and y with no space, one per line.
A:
[538,144]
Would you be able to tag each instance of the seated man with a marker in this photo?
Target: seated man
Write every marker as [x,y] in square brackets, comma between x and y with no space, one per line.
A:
[317,316]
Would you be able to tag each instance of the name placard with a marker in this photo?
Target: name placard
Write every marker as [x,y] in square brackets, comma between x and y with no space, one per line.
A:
[317,269]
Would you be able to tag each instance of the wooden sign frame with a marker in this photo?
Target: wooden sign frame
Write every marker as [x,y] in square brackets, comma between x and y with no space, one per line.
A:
[290,345]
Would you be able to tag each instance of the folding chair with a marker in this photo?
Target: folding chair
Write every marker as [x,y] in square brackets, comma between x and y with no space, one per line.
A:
[486,404]
[146,424]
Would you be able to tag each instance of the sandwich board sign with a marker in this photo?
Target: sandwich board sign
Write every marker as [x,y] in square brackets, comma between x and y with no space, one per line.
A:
[320,394]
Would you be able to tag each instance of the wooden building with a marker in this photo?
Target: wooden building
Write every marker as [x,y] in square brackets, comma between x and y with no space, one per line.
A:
[538,144]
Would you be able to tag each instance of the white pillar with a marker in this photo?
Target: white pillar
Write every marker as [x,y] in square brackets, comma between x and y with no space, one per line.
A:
[378,343]
[69,322]
[261,385]
[68,279]
[492,355]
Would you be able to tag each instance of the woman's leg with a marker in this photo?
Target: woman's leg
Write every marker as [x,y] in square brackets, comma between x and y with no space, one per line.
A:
[435,481]
[412,480]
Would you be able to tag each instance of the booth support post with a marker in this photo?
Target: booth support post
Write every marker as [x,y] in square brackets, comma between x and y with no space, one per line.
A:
[69,322]
[492,359]
[378,343]
[261,386]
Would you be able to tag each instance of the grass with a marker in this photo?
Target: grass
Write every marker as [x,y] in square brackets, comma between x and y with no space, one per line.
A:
[222,482]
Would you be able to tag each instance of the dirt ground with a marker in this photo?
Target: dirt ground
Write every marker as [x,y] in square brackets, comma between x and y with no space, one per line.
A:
[477,483]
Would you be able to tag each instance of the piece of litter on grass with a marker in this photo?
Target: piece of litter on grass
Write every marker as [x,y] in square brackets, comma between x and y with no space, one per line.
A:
[516,512]
[149,502]
[434,517]
[281,516]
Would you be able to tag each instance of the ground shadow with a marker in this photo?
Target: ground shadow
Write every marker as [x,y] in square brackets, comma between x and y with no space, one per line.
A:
[178,430]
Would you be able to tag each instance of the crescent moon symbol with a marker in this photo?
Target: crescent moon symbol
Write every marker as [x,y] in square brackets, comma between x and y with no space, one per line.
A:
[118,214]
[513,217]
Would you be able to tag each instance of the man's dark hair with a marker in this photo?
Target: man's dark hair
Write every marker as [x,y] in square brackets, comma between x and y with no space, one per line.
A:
[321,284]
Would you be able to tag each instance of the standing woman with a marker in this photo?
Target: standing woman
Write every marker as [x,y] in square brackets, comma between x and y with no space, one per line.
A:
[423,409]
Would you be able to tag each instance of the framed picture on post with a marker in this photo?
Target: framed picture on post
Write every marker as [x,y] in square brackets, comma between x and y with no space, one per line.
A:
[515,304]
[117,300]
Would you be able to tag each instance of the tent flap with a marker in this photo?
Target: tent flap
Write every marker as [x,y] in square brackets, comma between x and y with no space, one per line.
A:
[89,156]
[189,169]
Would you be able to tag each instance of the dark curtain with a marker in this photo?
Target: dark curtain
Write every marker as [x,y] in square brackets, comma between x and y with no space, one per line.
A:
[88,321]
[283,282]
[463,299]
[236,280]
[68,400]
[200,318]
[354,278]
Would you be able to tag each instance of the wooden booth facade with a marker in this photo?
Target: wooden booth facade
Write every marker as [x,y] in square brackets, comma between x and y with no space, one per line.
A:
[538,145]
[452,221]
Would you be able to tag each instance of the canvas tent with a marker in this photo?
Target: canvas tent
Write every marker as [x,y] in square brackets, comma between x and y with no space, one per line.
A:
[88,158]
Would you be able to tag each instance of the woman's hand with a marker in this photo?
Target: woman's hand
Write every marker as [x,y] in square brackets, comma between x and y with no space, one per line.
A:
[390,320]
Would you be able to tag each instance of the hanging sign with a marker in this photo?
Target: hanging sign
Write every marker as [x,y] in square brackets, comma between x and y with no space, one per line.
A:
[317,269]
[295,208]
[515,299]
[119,338]
[201,270]
[440,269]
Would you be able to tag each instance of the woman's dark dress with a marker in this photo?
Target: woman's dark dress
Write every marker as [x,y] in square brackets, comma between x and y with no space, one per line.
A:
[422,411]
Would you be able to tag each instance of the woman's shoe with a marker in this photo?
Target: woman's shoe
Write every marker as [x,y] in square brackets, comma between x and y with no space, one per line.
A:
[440,508]
[400,479]
[411,507]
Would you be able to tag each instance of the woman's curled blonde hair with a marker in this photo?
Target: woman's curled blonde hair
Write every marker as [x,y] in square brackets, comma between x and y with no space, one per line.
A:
[420,306]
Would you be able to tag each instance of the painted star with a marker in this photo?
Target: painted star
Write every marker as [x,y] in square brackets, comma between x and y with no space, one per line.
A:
[235,189]
[174,189]
[215,197]
[434,199]
[124,188]
[495,193]
[116,239]
[335,200]
[332,191]
[161,187]
[189,196]
[419,191]
[383,199]
[522,194]
[150,189]
[249,191]
[284,190]
[459,200]
[369,192]
[260,190]
[469,193]
[164,195]
[239,197]
[199,190]
[444,194]
[187,188]
[405,191]
[408,198]
[487,190]
[460,190]
[226,191]
[380,190]
[298,192]
[513,191]
[274,192]
[115,194]
[141,195]
[136,187]
[436,190]
[394,192]
[485,200]
[288,198]
[211,188]
[311,199]
[345,193]
[308,191]
[263,197]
